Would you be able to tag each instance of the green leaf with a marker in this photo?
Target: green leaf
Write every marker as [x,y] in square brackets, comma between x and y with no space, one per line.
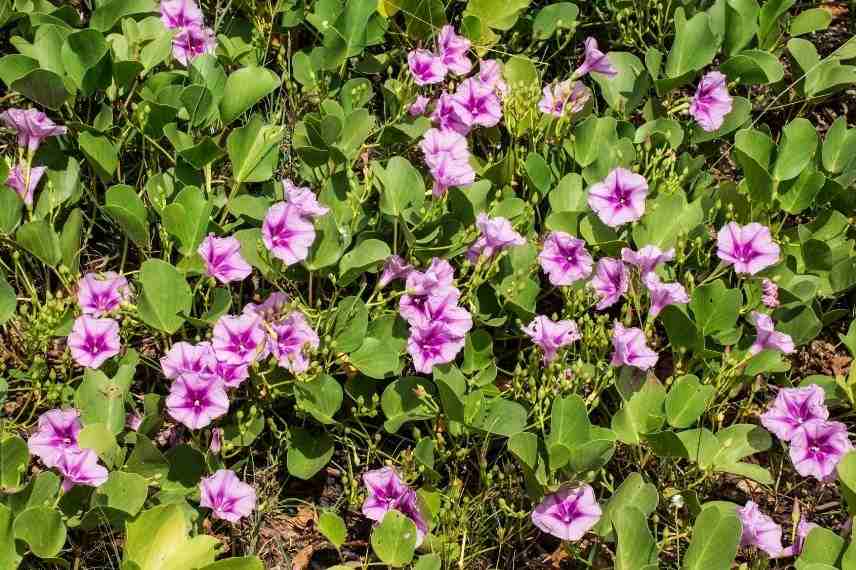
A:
[187,218]
[40,239]
[754,67]
[636,547]
[538,172]
[102,155]
[495,415]
[42,86]
[147,460]
[694,47]
[101,400]
[626,90]
[809,21]
[108,13]
[669,128]
[15,456]
[129,211]
[569,427]
[165,295]
[329,244]
[716,307]
[402,403]
[668,217]
[715,538]
[847,479]
[741,23]
[122,491]
[822,546]
[158,539]
[740,440]
[478,351]
[633,492]
[642,414]
[100,439]
[560,15]
[333,528]
[199,103]
[8,300]
[590,136]
[308,453]
[242,563]
[9,557]
[364,257]
[85,56]
[839,148]
[799,194]
[771,12]
[403,186]
[796,149]
[497,14]
[42,529]
[186,468]
[321,397]
[254,150]
[244,88]
[379,355]
[394,539]
[69,241]
[687,400]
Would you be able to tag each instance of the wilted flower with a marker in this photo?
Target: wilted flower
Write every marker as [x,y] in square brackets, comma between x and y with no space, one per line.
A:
[191,42]
[32,127]
[222,257]
[647,258]
[569,513]
[551,335]
[186,358]
[595,61]
[80,467]
[564,96]
[792,408]
[477,104]
[425,67]
[609,282]
[419,107]
[180,14]
[630,348]
[56,433]
[92,340]
[272,309]
[287,234]
[497,234]
[24,185]
[711,102]
[227,496]
[196,401]
[817,447]
[216,441]
[446,117]
[294,337]
[768,337]
[490,74]
[749,248]
[387,492]
[664,294]
[760,531]
[565,259]
[393,268]
[133,421]
[620,198]
[98,294]
[770,293]
[431,344]
[304,199]
[239,339]
[452,50]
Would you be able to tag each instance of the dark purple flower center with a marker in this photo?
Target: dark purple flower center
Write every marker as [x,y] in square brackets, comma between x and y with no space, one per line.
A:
[745,252]
[94,344]
[567,511]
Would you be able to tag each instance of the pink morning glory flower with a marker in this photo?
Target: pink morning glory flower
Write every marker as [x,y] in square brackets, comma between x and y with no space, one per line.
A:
[227,496]
[425,67]
[304,199]
[180,14]
[216,443]
[595,61]
[436,280]
[393,268]
[769,293]
[32,127]
[287,234]
[419,107]
[387,492]
[443,310]
[452,50]
[664,294]
[434,343]
[230,375]
[760,530]
[191,42]
[437,144]
[768,337]
[647,258]
[792,408]
[564,96]
[711,102]
[23,186]
[450,173]
[446,116]
[497,234]
[92,340]
[293,339]
[477,104]
[98,294]
[133,421]
[817,447]
[569,513]
[630,348]
[620,198]
[196,401]
[551,335]
[80,467]
[490,74]
[222,257]
[565,259]
[748,248]
[240,339]
[186,358]
[56,433]
[272,309]
[609,282]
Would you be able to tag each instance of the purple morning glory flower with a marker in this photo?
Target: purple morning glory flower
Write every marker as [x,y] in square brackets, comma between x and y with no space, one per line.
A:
[436,281]
[434,343]
[620,198]
[293,339]
[441,309]
[446,117]
[196,401]
[768,337]
[387,492]
[748,248]
[425,67]
[92,340]
[191,42]
[98,294]
[769,293]
[551,335]
[180,14]
[595,61]
[230,375]
[792,408]
[609,282]
[272,309]
[448,172]
[287,233]
[227,496]
[664,294]
[817,447]
[393,268]
[647,258]
[490,74]
[437,144]
[452,50]
[477,104]
[186,358]
[25,186]
[711,102]
[564,96]
[304,199]
[80,467]
[240,339]
[56,433]
[222,257]
[565,259]
[419,107]
[497,234]
[32,127]
[630,348]
[568,514]
[760,531]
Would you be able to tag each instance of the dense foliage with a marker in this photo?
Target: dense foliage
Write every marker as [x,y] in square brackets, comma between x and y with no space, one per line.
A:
[481,284]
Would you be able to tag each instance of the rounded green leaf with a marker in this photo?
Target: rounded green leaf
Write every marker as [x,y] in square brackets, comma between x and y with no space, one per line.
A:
[754,67]
[244,88]
[715,538]
[165,296]
[15,457]
[321,397]
[308,453]
[560,15]
[42,86]
[687,400]
[796,149]
[42,529]
[40,239]
[122,491]
[364,257]
[394,539]
[333,528]
[129,211]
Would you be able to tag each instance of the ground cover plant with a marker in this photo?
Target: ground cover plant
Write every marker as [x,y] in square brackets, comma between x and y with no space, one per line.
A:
[413,283]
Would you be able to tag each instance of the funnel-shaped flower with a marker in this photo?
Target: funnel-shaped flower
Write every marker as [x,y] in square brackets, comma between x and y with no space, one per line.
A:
[92,341]
[287,234]
[647,258]
[565,259]
[425,67]
[240,339]
[551,335]
[760,530]
[32,127]
[620,198]
[748,248]
[609,282]
[387,492]
[817,447]
[56,433]
[294,339]
[630,348]
[768,337]
[196,401]
[664,294]
[792,408]
[24,185]
[711,102]
[80,467]
[497,234]
[223,260]
[568,514]
[191,42]
[452,50]
[98,294]
[227,496]
[595,61]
